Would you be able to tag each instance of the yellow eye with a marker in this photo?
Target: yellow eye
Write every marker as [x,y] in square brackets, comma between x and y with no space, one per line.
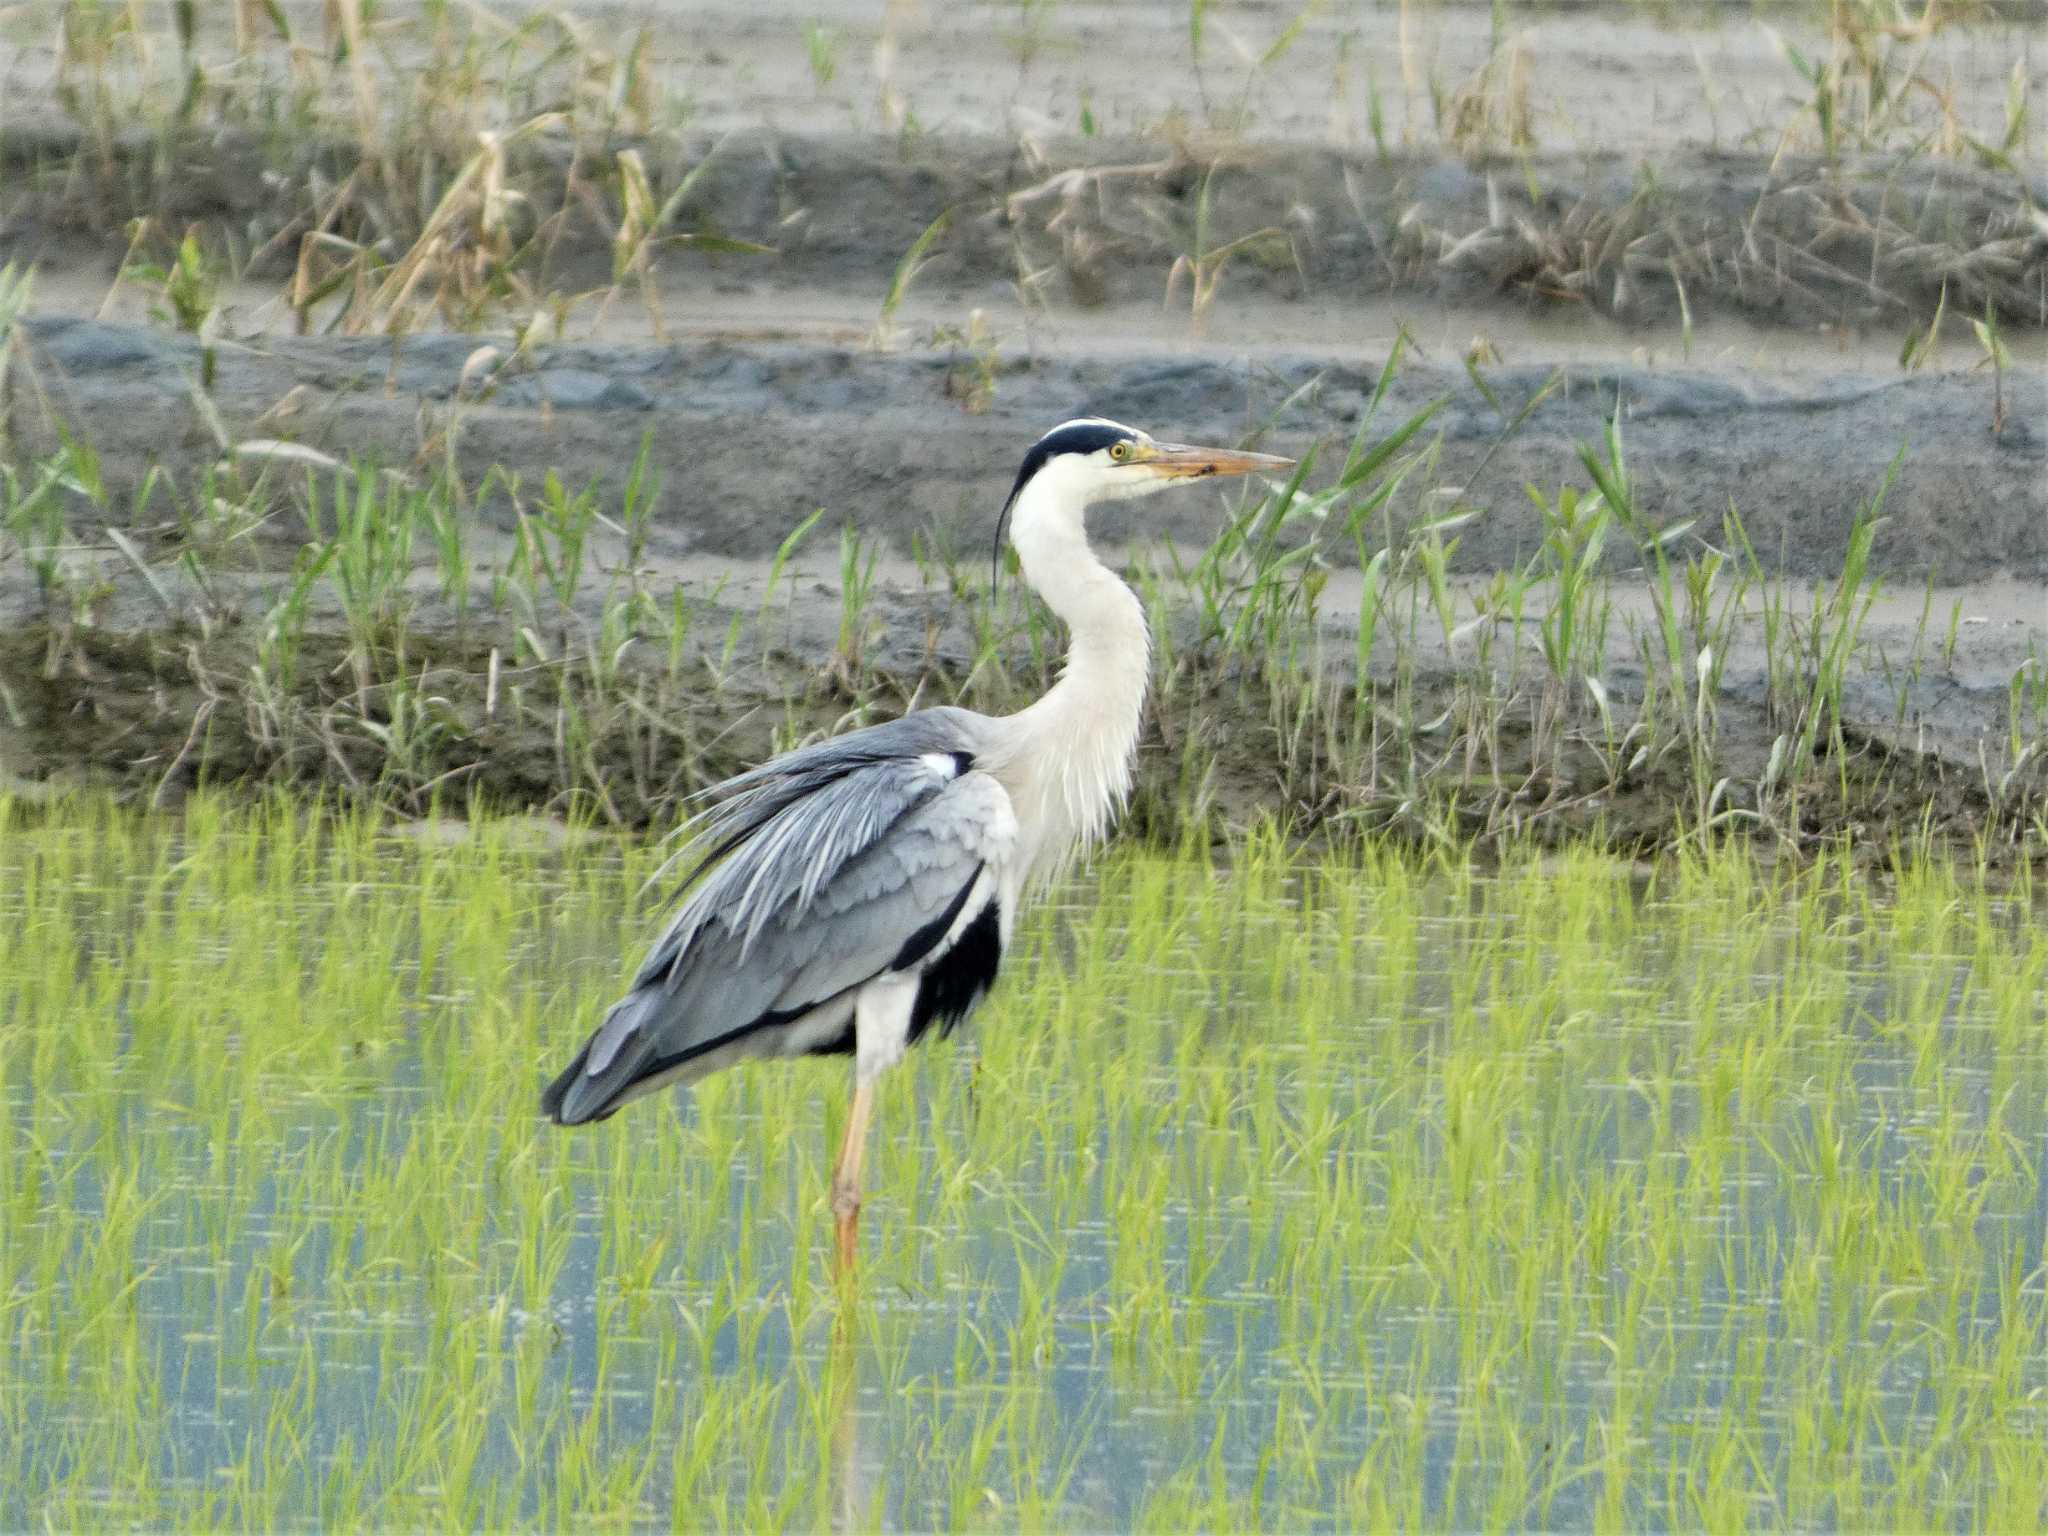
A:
[1120,450]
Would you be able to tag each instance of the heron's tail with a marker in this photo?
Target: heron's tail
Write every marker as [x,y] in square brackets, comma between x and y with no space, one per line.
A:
[624,1047]
[551,1097]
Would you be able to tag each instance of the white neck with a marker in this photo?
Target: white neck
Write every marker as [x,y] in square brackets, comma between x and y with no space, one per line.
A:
[1068,763]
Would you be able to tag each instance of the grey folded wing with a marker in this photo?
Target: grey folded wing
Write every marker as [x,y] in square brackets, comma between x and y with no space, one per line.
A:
[865,855]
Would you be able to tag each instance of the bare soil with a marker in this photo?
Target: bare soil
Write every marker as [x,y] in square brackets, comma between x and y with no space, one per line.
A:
[749,437]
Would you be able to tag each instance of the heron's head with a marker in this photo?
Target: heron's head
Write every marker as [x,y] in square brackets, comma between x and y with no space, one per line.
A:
[1079,463]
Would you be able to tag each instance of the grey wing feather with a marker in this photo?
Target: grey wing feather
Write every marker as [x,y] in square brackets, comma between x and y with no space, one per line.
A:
[873,914]
[801,816]
[746,804]
[837,863]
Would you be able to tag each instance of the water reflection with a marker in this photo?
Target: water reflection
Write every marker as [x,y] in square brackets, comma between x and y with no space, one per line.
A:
[854,1482]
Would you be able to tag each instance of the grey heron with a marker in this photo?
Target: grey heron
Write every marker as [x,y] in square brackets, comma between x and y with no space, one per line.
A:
[860,892]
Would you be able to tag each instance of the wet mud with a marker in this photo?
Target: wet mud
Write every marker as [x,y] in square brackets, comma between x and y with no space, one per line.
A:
[751,438]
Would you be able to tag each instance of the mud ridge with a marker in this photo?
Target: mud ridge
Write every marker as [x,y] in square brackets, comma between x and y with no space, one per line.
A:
[1782,240]
[749,439]
[154,717]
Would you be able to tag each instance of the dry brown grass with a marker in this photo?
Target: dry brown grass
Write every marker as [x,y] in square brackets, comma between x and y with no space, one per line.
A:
[1817,237]
[430,165]
[408,169]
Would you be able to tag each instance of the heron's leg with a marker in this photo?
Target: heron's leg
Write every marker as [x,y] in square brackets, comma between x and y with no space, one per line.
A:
[846,1174]
[881,1022]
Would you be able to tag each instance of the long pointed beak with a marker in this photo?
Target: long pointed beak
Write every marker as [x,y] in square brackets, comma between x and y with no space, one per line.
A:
[1177,461]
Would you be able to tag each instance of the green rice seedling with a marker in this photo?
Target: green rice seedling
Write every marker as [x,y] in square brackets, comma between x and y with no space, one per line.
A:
[445,515]
[2025,742]
[1996,355]
[2017,115]
[785,551]
[69,582]
[1418,1170]
[1247,580]
[375,519]
[274,679]
[415,725]
[637,501]
[1572,631]
[1920,346]
[1691,644]
[33,516]
[822,45]
[856,591]
[908,266]
[1253,584]
[1836,622]
[16,285]
[1617,493]
[187,282]
[553,540]
[1433,555]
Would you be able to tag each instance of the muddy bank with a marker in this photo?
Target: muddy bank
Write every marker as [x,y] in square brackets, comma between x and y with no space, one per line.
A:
[152,716]
[175,647]
[1608,211]
[748,440]
[1844,244]
[1594,155]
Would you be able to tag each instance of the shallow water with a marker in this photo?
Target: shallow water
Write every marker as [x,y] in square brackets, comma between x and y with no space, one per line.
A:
[1303,1192]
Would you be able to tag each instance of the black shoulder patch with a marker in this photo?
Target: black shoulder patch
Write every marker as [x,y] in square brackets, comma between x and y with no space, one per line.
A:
[921,943]
[957,980]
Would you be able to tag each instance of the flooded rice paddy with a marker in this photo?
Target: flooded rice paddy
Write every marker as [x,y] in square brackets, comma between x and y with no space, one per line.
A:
[1283,1190]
